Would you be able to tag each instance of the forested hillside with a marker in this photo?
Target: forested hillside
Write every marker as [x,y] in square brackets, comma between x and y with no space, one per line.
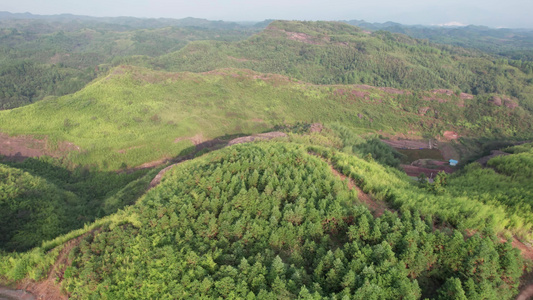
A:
[58,56]
[41,199]
[272,220]
[327,52]
[510,43]
[507,181]
[62,57]
[123,175]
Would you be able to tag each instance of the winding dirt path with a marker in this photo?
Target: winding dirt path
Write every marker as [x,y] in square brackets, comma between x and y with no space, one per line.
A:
[377,207]
[527,253]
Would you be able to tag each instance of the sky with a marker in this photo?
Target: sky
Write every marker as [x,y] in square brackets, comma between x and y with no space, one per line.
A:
[493,13]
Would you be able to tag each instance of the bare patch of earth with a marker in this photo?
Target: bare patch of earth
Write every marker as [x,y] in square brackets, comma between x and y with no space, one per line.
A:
[393,91]
[196,139]
[443,92]
[257,137]
[377,207]
[50,287]
[450,135]
[10,294]
[18,148]
[466,96]
[316,127]
[306,38]
[526,288]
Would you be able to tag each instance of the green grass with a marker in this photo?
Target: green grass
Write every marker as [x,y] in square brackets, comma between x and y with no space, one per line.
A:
[135,115]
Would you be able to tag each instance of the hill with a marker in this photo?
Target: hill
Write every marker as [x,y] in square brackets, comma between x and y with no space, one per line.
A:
[329,52]
[62,57]
[134,116]
[54,56]
[32,209]
[272,220]
[516,44]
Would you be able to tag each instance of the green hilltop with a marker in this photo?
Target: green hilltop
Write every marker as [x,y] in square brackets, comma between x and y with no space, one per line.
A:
[272,220]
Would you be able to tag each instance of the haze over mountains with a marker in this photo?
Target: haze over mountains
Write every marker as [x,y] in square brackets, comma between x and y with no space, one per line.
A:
[188,158]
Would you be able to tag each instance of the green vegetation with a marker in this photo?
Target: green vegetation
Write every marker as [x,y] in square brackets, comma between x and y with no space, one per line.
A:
[270,220]
[445,203]
[62,58]
[506,183]
[515,44]
[278,220]
[135,115]
[40,199]
[41,58]
[32,209]
[328,52]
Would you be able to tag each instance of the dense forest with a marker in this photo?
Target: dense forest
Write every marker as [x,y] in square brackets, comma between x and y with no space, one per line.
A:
[510,43]
[271,220]
[122,176]
[327,53]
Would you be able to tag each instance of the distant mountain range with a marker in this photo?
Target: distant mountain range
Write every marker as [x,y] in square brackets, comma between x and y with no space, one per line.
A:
[511,43]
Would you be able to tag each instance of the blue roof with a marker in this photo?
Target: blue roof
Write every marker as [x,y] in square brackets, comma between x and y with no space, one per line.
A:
[453,161]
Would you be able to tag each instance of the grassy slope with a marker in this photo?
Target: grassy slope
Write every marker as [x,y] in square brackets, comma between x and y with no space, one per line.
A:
[136,115]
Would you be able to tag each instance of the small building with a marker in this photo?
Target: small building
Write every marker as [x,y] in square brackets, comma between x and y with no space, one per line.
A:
[453,162]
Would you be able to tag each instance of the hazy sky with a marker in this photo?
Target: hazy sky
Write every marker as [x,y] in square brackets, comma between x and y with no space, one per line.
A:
[494,13]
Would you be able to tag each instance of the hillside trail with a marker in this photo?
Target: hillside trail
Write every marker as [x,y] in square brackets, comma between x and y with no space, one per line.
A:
[377,207]
[527,253]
